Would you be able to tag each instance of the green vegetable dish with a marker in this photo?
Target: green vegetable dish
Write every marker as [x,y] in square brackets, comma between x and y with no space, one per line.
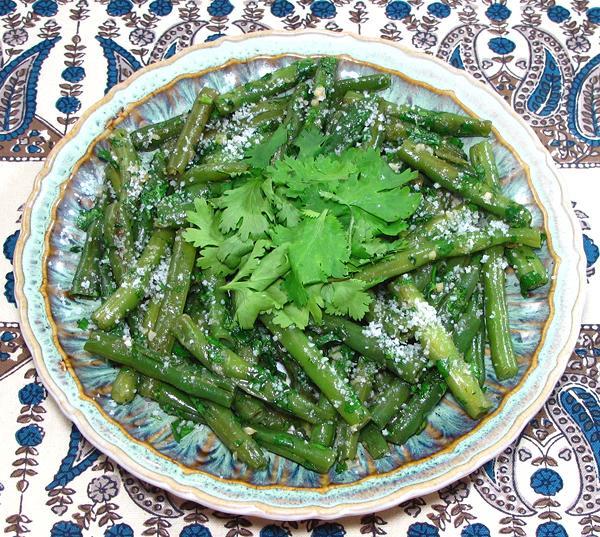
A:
[303,266]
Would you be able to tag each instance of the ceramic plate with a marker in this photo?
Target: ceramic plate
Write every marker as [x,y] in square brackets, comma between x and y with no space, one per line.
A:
[138,436]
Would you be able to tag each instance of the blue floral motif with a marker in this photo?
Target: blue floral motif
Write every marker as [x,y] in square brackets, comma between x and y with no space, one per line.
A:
[329,530]
[475,530]
[546,482]
[282,8]
[74,73]
[119,530]
[273,531]
[498,12]
[213,37]
[558,14]
[593,15]
[397,10]
[118,8]
[8,248]
[550,529]
[422,529]
[30,435]
[6,7]
[220,8]
[45,8]
[501,45]
[439,10]
[9,288]
[161,8]
[195,530]
[591,250]
[32,394]
[68,104]
[65,528]
[323,9]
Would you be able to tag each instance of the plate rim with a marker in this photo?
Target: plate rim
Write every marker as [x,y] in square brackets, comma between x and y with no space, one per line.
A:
[255,507]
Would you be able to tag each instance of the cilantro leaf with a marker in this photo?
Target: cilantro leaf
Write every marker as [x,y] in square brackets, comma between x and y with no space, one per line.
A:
[207,231]
[377,191]
[347,297]
[309,142]
[259,155]
[245,208]
[292,315]
[86,217]
[318,248]
[181,428]
[268,269]
[250,304]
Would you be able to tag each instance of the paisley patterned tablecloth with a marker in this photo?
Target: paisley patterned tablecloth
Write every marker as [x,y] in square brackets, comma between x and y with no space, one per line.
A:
[59,57]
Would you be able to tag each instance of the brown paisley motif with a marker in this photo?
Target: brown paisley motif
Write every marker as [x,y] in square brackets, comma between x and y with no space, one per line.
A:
[539,40]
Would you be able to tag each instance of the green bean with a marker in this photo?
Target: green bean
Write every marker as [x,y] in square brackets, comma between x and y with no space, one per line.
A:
[312,456]
[203,173]
[86,281]
[134,284]
[496,316]
[170,399]
[433,336]
[374,441]
[483,160]
[254,379]
[192,131]
[253,411]
[179,278]
[310,358]
[362,383]
[294,118]
[153,191]
[347,126]
[423,276]
[124,387]
[370,347]
[118,240]
[113,176]
[106,281]
[270,84]
[376,82]
[320,101]
[454,180]
[150,315]
[475,355]
[189,378]
[529,268]
[469,323]
[455,301]
[128,161]
[410,421]
[440,122]
[423,252]
[300,380]
[153,136]
[389,402]
[227,428]
[218,318]
[324,432]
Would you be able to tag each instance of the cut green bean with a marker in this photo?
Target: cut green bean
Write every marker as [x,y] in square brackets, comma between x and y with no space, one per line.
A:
[496,316]
[475,355]
[179,279]
[312,456]
[86,281]
[124,387]
[192,131]
[410,421]
[118,240]
[374,441]
[253,411]
[324,432]
[207,172]
[529,268]
[389,402]
[270,84]
[377,82]
[339,392]
[484,162]
[424,252]
[134,284]
[153,136]
[187,377]
[430,332]
[453,179]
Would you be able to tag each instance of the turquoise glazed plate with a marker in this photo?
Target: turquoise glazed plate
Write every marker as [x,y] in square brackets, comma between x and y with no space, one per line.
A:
[138,435]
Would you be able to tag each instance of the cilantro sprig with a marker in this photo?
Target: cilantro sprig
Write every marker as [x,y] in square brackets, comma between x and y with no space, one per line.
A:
[288,235]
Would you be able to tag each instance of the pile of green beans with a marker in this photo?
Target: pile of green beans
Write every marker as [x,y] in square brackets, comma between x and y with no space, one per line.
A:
[313,396]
